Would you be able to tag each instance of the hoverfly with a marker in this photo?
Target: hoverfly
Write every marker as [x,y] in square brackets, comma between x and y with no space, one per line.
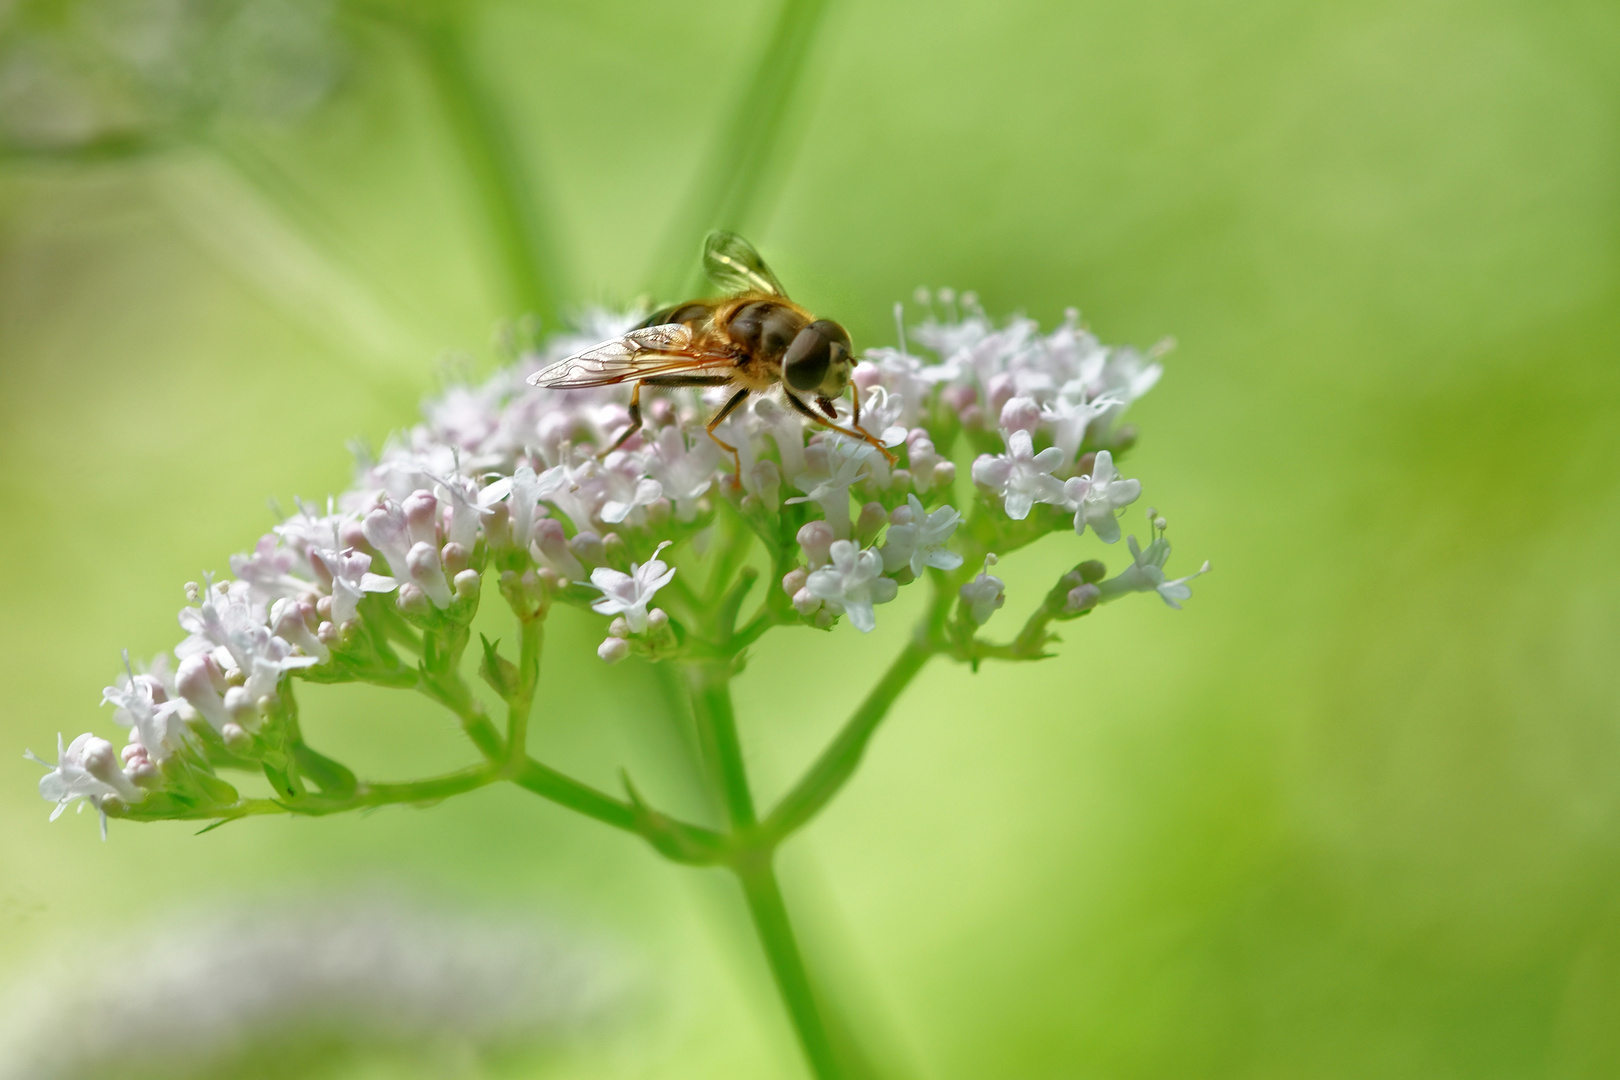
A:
[751,339]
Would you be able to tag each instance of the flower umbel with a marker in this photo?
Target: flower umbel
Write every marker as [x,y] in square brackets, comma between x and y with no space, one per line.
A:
[542,493]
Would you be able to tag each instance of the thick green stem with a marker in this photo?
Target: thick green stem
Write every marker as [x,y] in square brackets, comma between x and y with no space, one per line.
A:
[717,727]
[564,790]
[486,146]
[770,916]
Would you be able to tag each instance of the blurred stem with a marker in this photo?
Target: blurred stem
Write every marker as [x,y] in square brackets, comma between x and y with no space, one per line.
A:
[770,916]
[521,239]
[727,188]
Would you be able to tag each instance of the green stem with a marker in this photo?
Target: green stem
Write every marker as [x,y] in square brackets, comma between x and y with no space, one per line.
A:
[726,190]
[417,791]
[521,704]
[521,239]
[564,790]
[770,917]
[717,727]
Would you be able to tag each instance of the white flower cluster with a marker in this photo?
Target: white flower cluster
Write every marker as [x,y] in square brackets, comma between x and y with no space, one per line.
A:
[509,477]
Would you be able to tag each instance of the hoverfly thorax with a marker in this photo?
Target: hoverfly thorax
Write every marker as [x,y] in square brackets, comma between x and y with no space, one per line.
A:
[818,361]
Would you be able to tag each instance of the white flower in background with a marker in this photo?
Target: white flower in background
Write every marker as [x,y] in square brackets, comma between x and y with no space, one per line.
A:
[1098,498]
[629,594]
[1020,477]
[852,583]
[87,769]
[1146,574]
[917,538]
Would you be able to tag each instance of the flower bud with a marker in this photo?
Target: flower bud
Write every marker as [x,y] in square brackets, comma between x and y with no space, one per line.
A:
[467,583]
[454,557]
[1092,571]
[794,580]
[999,389]
[1020,414]
[498,526]
[613,649]
[959,398]
[421,509]
[236,738]
[323,606]
[353,535]
[619,627]
[945,474]
[550,548]
[1081,598]
[869,522]
[806,602]
[816,538]
[412,600]
[984,595]
[328,634]
[657,620]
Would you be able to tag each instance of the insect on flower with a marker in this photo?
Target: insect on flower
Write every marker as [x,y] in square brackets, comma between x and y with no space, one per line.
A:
[751,339]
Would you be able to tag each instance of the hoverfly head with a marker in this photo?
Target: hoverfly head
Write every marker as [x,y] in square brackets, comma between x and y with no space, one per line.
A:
[819,361]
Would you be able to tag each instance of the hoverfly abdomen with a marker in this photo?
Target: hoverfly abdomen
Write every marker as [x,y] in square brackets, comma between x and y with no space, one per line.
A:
[692,314]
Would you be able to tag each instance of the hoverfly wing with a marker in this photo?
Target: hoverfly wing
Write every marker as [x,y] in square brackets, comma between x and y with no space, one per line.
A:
[648,350]
[732,263]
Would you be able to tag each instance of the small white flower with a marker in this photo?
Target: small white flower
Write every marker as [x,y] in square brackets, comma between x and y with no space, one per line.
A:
[409,559]
[628,594]
[985,594]
[684,468]
[918,539]
[523,492]
[1020,476]
[853,583]
[833,466]
[268,570]
[351,575]
[1146,574]
[87,769]
[1098,498]
[145,702]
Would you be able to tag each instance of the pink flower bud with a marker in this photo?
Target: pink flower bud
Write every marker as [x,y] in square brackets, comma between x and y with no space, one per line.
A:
[816,538]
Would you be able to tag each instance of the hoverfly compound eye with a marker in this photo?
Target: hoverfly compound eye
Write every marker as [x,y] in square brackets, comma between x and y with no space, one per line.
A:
[805,364]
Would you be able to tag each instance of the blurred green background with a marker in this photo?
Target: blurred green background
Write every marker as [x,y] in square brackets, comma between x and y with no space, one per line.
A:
[1355,812]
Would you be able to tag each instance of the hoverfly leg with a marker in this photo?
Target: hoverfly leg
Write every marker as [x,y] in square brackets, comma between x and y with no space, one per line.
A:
[635,421]
[725,410]
[858,433]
